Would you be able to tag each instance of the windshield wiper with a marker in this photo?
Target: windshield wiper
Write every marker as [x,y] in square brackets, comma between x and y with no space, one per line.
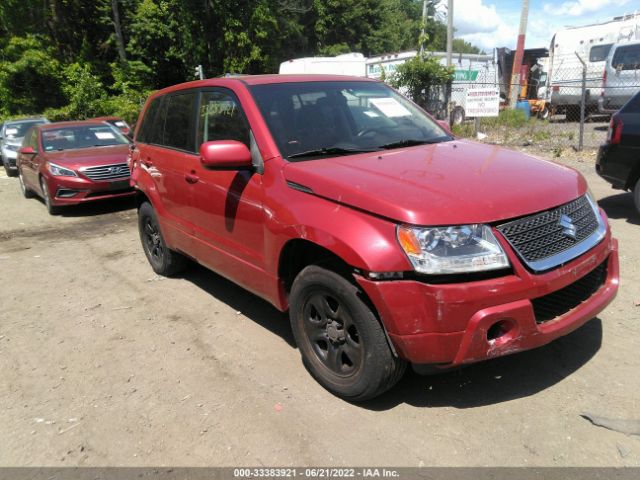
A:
[331,151]
[410,142]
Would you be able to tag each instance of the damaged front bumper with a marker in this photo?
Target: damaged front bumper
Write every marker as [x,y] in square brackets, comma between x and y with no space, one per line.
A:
[460,323]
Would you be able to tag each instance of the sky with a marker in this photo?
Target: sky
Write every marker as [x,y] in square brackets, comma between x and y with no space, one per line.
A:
[495,23]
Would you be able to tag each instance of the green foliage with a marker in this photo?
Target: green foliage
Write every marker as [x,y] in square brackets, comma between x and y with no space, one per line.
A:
[84,90]
[29,76]
[513,118]
[465,130]
[62,57]
[462,46]
[420,74]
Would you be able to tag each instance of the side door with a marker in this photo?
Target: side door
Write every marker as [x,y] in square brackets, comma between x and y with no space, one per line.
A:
[228,208]
[30,163]
[167,154]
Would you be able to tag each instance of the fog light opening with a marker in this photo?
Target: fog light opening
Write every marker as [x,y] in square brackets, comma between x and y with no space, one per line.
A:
[499,331]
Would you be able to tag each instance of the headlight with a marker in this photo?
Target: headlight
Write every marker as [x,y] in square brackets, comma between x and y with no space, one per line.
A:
[457,249]
[59,171]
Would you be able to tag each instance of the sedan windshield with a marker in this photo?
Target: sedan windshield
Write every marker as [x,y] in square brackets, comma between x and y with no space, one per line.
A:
[85,136]
[17,130]
[311,120]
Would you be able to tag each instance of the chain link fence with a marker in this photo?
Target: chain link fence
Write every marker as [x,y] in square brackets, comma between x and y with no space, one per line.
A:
[568,109]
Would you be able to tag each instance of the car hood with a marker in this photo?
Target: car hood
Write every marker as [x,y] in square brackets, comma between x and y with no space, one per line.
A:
[448,183]
[89,157]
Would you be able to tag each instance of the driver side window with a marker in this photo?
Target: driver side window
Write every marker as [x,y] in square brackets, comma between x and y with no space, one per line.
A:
[222,118]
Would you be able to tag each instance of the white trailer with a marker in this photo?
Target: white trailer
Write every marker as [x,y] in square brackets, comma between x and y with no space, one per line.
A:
[592,43]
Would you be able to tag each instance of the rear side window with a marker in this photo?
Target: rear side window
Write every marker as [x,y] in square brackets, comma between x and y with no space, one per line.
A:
[627,58]
[222,118]
[179,126]
[152,123]
[598,53]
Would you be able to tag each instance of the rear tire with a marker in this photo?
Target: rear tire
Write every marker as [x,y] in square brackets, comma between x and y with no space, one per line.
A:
[163,260]
[636,195]
[342,343]
[457,116]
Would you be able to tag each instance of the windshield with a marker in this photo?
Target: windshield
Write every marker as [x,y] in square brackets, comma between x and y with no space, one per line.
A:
[81,137]
[17,130]
[323,119]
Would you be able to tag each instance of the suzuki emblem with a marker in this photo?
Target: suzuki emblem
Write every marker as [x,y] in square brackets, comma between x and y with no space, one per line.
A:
[568,228]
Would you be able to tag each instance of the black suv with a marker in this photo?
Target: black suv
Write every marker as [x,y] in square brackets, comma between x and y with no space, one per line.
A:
[619,158]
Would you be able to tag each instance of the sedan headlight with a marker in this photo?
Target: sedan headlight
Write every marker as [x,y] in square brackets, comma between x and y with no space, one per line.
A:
[59,171]
[457,249]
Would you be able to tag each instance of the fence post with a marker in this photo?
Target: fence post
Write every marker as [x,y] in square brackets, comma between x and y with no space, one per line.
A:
[582,101]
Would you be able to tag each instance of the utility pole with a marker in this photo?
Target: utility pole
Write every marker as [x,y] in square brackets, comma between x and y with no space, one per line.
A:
[424,27]
[449,33]
[199,72]
[517,61]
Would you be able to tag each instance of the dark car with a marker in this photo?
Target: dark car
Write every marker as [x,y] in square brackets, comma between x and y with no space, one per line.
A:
[389,241]
[619,159]
[68,163]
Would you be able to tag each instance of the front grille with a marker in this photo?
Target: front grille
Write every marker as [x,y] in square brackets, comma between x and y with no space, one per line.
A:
[561,301]
[541,236]
[107,172]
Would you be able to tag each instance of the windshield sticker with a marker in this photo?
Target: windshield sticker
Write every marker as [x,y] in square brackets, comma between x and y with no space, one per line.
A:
[390,107]
[105,135]
[11,131]
[120,124]
[371,113]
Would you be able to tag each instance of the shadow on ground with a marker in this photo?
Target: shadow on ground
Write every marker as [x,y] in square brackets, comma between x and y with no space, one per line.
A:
[486,383]
[101,207]
[621,206]
[251,306]
[499,380]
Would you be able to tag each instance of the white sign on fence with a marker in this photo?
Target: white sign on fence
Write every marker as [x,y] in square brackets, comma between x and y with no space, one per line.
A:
[482,102]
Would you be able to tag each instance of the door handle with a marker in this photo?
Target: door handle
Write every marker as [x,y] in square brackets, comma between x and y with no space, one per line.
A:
[191,178]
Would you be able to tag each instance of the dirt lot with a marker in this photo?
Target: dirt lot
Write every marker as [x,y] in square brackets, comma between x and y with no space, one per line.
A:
[104,363]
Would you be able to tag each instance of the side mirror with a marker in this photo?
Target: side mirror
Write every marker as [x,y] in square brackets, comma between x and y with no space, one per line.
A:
[445,125]
[225,154]
[27,151]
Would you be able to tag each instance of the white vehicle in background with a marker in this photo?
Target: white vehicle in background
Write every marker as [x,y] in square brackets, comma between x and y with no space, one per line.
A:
[593,44]
[621,78]
[346,64]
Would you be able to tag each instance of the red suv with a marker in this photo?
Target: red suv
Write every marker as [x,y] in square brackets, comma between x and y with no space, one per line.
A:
[388,241]
[68,163]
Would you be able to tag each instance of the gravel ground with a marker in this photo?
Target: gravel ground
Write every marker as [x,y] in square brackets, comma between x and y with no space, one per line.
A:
[105,363]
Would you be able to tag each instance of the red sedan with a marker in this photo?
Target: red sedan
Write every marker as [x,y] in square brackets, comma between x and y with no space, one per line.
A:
[68,163]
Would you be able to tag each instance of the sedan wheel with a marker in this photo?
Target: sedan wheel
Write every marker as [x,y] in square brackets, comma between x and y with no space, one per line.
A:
[26,191]
[46,196]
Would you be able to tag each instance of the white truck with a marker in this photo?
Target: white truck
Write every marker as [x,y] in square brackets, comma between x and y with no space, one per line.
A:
[592,43]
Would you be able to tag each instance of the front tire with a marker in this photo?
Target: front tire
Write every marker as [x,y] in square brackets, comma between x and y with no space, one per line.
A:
[46,196]
[163,260]
[342,343]
[636,195]
[26,191]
